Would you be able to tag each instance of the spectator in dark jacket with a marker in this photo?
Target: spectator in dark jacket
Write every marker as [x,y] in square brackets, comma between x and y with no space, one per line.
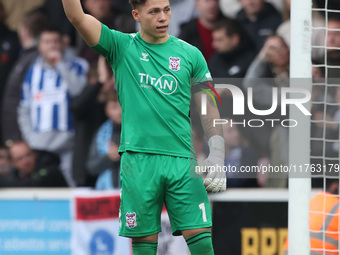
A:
[260,19]
[9,51]
[32,168]
[104,158]
[29,31]
[88,110]
[234,54]
[234,51]
[198,31]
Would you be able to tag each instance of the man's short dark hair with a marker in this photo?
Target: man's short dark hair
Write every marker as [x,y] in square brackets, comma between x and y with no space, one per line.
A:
[136,3]
[51,29]
[35,21]
[230,26]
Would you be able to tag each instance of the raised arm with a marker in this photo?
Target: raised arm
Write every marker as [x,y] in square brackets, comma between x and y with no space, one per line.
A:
[87,26]
[216,179]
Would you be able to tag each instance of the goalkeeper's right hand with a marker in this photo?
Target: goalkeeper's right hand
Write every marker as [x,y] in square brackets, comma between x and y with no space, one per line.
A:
[216,179]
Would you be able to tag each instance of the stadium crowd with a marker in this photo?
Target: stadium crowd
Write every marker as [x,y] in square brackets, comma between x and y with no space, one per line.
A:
[59,112]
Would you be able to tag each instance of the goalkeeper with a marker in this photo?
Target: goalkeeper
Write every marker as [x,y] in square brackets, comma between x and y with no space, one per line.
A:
[153,71]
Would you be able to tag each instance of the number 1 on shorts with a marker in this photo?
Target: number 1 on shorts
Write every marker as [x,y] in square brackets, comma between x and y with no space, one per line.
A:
[204,214]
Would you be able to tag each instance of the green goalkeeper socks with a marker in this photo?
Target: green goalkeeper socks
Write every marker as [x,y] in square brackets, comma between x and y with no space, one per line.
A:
[144,248]
[200,244]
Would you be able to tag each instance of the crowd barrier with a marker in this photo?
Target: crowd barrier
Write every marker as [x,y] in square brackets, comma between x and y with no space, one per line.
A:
[85,222]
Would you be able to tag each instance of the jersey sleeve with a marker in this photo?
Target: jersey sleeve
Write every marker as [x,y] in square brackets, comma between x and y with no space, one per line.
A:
[200,72]
[112,44]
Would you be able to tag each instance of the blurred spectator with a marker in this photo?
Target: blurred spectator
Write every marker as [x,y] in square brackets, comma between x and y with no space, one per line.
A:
[182,11]
[318,35]
[29,31]
[9,51]
[4,161]
[238,153]
[101,10]
[43,114]
[89,113]
[32,168]
[234,50]
[260,19]
[56,14]
[16,9]
[104,158]
[198,31]
[272,62]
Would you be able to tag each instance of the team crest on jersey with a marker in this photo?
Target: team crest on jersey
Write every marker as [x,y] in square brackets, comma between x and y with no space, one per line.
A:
[175,63]
[131,220]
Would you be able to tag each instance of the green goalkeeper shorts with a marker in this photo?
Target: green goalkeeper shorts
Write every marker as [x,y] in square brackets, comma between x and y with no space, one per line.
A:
[148,181]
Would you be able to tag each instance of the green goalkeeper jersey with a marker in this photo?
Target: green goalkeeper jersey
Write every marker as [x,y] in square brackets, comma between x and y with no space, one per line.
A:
[153,85]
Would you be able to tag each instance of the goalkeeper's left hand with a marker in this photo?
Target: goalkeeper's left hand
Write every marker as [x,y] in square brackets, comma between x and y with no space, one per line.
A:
[216,179]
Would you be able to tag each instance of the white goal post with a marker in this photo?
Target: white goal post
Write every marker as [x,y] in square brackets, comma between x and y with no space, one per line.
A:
[299,136]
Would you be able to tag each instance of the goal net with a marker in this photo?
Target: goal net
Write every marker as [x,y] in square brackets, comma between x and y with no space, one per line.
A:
[315,52]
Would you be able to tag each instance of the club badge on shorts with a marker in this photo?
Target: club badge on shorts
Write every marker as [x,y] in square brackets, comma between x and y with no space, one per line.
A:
[175,63]
[131,220]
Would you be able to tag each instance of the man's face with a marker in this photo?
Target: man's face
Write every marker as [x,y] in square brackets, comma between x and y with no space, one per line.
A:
[23,158]
[100,9]
[222,42]
[252,7]
[208,9]
[154,18]
[333,37]
[50,42]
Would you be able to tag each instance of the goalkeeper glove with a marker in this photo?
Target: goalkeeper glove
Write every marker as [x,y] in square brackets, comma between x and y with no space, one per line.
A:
[216,179]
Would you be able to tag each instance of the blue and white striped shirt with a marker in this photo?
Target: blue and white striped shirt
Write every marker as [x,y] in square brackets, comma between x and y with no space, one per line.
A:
[46,92]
